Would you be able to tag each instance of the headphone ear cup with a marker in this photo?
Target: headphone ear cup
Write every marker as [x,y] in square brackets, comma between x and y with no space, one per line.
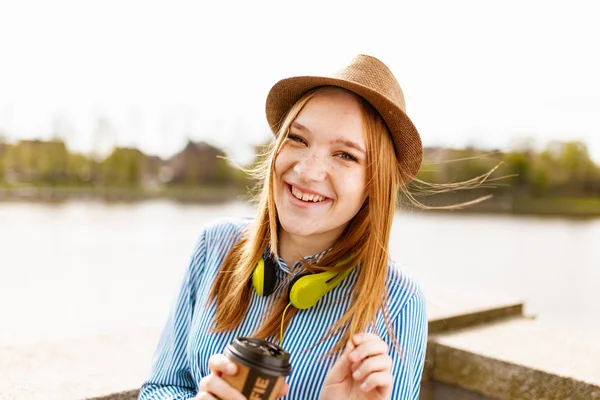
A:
[306,289]
[264,277]
[293,294]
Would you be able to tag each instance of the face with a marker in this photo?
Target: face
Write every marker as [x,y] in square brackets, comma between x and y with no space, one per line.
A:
[320,172]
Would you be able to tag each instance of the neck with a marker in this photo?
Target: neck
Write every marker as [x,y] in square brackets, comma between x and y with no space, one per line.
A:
[294,247]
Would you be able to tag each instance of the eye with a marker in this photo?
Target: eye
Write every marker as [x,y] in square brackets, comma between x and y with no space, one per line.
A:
[347,156]
[296,138]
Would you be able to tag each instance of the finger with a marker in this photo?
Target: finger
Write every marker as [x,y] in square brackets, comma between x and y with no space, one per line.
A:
[217,387]
[219,364]
[381,363]
[342,367]
[364,337]
[368,347]
[283,390]
[204,396]
[381,381]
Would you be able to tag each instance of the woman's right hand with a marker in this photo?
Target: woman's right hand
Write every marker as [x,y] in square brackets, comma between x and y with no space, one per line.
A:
[214,387]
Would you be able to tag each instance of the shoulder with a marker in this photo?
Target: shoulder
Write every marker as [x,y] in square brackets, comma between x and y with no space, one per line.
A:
[215,241]
[224,232]
[403,291]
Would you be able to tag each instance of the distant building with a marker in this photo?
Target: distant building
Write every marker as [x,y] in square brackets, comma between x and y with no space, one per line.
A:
[153,171]
[37,160]
[197,163]
[3,151]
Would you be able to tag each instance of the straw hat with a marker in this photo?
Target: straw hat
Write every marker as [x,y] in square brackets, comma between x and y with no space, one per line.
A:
[371,79]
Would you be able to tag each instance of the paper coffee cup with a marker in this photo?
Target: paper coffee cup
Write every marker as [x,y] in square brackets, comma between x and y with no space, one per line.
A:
[262,367]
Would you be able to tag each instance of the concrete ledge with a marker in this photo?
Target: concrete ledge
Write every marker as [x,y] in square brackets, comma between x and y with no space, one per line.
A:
[441,391]
[450,310]
[128,395]
[475,318]
[504,380]
[519,359]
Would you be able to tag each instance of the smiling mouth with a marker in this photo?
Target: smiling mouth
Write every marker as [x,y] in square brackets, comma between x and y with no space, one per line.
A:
[307,197]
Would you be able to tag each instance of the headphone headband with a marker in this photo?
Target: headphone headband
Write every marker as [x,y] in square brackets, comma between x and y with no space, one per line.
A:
[304,290]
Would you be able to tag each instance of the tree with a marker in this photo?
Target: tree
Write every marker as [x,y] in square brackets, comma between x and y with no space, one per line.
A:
[3,150]
[519,168]
[122,167]
[575,159]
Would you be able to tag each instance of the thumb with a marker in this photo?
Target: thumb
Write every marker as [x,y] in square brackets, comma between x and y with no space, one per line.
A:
[343,366]
[283,390]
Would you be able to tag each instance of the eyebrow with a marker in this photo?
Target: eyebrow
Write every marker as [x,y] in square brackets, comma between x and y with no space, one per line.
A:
[345,142]
[300,126]
[349,143]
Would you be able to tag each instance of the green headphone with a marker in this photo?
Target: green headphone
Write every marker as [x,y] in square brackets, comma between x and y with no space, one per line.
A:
[304,290]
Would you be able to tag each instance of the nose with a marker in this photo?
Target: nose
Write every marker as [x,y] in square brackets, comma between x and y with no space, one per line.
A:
[311,168]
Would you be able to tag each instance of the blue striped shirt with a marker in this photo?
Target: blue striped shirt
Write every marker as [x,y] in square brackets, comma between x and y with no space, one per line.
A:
[181,358]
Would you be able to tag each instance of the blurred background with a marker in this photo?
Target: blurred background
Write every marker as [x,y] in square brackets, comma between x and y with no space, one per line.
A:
[121,122]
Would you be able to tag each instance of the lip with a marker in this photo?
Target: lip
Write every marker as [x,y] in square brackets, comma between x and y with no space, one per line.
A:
[303,190]
[304,204]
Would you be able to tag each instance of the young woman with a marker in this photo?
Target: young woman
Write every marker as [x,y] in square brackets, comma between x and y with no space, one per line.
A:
[343,149]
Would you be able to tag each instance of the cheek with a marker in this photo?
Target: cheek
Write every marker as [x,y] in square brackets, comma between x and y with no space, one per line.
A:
[283,162]
[353,186]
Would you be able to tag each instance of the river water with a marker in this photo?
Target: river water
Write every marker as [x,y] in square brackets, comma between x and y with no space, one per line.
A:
[90,267]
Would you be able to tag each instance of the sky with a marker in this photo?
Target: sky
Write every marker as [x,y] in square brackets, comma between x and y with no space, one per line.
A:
[154,74]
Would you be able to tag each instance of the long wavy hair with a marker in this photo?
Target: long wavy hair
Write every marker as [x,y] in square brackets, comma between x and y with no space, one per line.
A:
[365,238]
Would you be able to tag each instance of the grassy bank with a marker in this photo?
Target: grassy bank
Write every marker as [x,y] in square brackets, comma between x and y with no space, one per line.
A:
[500,203]
[207,194]
[521,205]
[558,206]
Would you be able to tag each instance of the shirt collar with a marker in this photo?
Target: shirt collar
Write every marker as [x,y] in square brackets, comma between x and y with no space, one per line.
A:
[283,266]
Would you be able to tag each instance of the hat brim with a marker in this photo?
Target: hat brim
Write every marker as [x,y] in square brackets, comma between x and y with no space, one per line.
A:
[407,141]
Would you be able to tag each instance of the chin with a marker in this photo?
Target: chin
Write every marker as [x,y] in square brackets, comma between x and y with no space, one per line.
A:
[299,228]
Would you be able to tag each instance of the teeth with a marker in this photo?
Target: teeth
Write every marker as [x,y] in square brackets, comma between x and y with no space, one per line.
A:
[306,196]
